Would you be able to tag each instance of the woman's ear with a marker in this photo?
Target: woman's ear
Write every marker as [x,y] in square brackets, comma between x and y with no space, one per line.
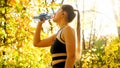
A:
[63,13]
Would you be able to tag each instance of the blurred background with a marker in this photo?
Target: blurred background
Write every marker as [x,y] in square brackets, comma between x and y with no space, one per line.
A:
[100,32]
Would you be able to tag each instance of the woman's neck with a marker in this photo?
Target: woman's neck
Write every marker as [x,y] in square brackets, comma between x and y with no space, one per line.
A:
[62,24]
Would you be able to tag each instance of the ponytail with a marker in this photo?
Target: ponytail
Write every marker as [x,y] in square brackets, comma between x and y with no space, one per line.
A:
[78,48]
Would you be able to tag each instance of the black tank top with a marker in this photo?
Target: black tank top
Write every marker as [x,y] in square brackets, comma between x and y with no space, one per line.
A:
[58,47]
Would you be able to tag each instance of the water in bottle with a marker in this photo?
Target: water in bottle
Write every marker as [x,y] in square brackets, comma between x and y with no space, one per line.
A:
[46,16]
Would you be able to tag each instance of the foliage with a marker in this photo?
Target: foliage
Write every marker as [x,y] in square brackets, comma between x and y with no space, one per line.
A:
[16,34]
[102,56]
[27,57]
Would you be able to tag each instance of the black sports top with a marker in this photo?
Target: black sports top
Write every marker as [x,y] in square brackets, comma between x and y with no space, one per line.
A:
[58,47]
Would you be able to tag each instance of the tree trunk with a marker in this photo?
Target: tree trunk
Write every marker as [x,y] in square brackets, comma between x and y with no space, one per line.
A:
[118,30]
[116,10]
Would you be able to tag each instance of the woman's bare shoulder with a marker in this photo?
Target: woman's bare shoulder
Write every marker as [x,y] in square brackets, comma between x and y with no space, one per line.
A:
[68,29]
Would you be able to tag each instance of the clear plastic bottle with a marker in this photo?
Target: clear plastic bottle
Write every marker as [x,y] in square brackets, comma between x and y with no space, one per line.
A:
[40,17]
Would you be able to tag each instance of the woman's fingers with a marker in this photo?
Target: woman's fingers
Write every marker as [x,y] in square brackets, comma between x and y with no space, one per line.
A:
[42,21]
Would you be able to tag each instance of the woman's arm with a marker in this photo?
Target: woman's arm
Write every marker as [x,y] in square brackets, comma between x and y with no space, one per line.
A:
[69,37]
[37,40]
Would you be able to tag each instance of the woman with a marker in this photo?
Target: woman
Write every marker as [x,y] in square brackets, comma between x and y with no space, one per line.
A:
[63,43]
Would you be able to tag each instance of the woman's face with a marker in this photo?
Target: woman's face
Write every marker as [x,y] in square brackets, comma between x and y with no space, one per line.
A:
[58,15]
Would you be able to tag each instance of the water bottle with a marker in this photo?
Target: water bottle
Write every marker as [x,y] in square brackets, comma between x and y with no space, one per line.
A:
[46,16]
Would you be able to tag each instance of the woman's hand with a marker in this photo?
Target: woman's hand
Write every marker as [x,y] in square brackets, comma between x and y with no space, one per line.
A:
[43,21]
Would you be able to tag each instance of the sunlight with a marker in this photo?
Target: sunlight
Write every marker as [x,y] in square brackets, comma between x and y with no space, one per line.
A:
[104,21]
[108,21]
[104,16]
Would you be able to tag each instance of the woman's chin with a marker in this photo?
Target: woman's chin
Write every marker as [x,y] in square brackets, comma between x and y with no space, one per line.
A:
[54,20]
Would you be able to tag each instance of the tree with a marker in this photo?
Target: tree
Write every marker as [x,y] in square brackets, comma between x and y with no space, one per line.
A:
[16,34]
[116,10]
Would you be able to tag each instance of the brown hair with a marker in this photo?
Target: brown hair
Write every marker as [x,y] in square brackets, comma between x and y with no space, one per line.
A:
[78,50]
[70,12]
